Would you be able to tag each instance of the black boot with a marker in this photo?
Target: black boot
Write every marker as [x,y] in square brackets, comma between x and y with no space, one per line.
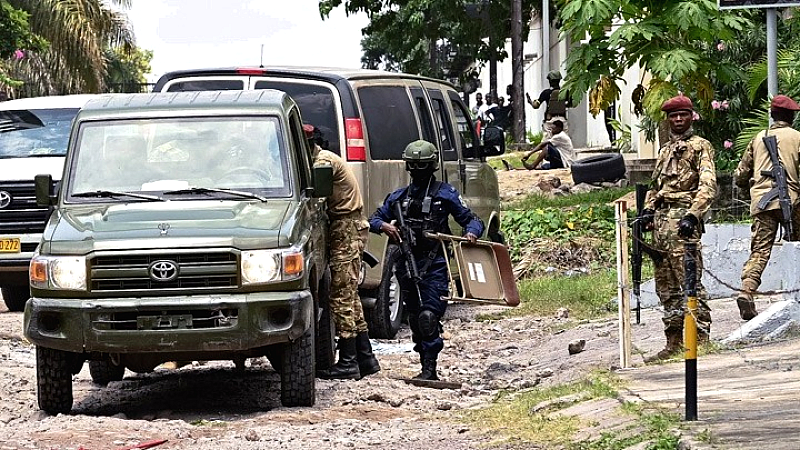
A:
[428,369]
[347,366]
[367,362]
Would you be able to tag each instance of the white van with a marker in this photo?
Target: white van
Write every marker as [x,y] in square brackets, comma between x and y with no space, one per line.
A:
[33,140]
[368,117]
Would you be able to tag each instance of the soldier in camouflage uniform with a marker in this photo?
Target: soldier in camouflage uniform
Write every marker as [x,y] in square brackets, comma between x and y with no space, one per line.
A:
[748,175]
[684,185]
[347,238]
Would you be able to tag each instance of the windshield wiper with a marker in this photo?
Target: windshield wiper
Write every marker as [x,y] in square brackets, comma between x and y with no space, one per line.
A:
[109,194]
[199,190]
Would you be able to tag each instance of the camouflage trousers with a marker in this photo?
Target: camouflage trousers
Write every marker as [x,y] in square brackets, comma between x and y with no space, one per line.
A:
[345,246]
[763,232]
[670,273]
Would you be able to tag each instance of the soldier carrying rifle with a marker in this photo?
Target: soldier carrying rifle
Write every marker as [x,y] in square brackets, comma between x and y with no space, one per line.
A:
[769,169]
[424,205]
[684,185]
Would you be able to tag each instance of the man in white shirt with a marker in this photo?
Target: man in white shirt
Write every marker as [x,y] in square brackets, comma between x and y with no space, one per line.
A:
[557,152]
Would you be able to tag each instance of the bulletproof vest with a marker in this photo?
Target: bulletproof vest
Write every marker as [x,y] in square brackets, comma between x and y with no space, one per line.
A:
[423,213]
[556,107]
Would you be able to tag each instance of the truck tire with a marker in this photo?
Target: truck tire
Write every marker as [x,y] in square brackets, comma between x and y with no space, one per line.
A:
[595,169]
[326,329]
[298,383]
[105,371]
[15,297]
[54,380]
[385,319]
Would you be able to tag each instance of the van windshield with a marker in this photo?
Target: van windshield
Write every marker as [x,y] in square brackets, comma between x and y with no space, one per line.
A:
[182,156]
[35,132]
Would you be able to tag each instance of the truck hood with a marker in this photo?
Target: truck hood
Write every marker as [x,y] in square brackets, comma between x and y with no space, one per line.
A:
[80,229]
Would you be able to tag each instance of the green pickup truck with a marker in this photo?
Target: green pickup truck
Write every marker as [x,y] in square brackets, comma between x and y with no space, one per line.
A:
[188,226]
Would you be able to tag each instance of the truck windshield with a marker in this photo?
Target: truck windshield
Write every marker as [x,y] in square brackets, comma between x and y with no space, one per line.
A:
[35,132]
[158,155]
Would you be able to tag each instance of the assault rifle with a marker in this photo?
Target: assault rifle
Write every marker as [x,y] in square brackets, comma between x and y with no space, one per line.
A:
[780,189]
[639,248]
[407,241]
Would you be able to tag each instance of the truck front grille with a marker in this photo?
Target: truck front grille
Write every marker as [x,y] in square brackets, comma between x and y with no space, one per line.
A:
[195,271]
[21,215]
[167,320]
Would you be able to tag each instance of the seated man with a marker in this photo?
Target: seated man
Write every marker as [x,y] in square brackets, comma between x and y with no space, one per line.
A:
[556,152]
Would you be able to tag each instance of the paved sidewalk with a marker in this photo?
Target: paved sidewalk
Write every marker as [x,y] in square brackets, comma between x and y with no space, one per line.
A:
[748,398]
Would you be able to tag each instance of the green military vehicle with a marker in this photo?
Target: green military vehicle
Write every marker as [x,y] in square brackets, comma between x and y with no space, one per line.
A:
[188,226]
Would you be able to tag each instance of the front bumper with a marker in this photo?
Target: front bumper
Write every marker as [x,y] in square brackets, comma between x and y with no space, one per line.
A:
[198,323]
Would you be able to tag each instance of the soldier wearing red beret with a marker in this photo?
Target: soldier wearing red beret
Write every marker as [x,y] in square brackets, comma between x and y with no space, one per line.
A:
[749,175]
[683,187]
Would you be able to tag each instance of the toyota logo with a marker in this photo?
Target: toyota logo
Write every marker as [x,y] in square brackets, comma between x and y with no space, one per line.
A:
[5,199]
[163,271]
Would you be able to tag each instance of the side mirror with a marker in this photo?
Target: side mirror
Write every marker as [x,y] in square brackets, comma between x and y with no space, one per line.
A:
[494,141]
[323,181]
[44,190]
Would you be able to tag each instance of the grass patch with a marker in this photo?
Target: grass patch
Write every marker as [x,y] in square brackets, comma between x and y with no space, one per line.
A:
[513,417]
[586,296]
[513,158]
[525,417]
[599,197]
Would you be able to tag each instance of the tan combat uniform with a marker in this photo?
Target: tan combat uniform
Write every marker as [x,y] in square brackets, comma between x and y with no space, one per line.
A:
[684,181]
[765,222]
[348,235]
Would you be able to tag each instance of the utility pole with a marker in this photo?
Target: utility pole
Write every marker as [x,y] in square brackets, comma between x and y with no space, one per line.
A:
[517,99]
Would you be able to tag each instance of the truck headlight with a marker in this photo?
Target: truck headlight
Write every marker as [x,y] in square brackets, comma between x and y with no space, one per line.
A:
[267,266]
[58,272]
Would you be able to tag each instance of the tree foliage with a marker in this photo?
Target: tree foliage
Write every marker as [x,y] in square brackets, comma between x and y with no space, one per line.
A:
[78,32]
[438,38]
[15,39]
[670,39]
[125,71]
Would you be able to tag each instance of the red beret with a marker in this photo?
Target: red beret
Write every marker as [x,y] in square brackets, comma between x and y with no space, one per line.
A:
[678,103]
[308,129]
[784,102]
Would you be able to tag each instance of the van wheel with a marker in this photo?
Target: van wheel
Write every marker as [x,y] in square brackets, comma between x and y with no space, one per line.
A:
[385,318]
[105,371]
[326,329]
[594,169]
[54,380]
[298,385]
[15,297]
[495,235]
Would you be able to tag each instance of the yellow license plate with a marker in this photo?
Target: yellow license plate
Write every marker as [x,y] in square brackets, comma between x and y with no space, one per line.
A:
[9,245]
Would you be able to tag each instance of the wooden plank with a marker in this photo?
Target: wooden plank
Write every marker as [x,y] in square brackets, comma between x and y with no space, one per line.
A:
[623,291]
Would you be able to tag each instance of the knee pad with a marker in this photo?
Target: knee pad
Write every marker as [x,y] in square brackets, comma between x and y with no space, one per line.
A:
[428,325]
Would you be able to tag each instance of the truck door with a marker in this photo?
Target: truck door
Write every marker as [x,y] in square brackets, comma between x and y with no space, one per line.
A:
[453,166]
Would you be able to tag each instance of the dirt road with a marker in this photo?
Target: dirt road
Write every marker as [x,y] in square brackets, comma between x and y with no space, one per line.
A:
[213,406]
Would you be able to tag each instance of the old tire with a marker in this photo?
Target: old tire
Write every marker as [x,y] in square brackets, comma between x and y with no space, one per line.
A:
[596,169]
[15,297]
[325,348]
[385,319]
[54,380]
[105,371]
[298,384]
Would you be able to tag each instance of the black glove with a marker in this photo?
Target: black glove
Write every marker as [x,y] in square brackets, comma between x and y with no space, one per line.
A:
[687,225]
[646,219]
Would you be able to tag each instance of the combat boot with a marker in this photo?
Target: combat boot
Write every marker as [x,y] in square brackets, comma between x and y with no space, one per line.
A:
[347,366]
[674,347]
[367,362]
[747,307]
[428,369]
